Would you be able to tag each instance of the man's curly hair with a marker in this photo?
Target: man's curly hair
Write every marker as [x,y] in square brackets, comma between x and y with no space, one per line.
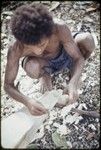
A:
[31,23]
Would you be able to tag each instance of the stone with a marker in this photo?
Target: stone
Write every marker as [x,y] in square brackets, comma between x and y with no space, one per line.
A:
[15,127]
[19,129]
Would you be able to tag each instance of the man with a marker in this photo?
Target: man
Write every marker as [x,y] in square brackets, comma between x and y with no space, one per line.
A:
[47,47]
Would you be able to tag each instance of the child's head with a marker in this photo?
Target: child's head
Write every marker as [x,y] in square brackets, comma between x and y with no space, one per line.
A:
[31,23]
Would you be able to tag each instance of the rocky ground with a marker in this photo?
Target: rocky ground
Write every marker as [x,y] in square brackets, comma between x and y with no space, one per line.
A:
[62,129]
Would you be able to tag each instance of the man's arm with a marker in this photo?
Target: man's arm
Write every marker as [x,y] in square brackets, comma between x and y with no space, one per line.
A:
[10,75]
[74,52]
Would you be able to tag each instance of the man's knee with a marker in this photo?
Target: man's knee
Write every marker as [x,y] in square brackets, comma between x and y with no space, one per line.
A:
[85,42]
[90,41]
[32,68]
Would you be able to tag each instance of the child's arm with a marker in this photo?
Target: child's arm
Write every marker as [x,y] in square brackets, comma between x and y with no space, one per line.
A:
[12,66]
[74,52]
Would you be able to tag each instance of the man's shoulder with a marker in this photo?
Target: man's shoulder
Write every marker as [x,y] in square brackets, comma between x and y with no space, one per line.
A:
[61,28]
[60,25]
[15,48]
[15,43]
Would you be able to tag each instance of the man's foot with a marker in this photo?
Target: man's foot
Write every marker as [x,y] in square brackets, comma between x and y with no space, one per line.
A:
[46,84]
[73,98]
[72,93]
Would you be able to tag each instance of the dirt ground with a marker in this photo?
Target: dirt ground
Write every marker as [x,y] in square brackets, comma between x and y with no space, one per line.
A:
[59,131]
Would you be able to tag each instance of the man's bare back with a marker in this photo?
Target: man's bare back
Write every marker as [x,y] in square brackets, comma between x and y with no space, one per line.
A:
[38,55]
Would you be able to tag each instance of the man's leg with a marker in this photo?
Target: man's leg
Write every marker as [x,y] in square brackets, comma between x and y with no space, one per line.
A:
[34,69]
[86,44]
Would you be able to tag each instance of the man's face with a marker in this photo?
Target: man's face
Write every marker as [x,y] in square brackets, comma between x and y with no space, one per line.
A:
[38,48]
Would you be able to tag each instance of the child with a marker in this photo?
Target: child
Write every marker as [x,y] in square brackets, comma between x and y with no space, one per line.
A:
[47,47]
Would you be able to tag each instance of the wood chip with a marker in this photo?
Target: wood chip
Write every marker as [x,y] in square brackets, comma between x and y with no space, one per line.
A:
[87,113]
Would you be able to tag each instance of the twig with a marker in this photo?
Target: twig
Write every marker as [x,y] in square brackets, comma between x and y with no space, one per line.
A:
[87,113]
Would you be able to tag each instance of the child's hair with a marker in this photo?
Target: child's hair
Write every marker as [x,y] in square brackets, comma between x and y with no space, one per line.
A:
[31,23]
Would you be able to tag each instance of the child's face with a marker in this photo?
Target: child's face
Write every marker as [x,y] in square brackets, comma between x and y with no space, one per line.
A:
[39,48]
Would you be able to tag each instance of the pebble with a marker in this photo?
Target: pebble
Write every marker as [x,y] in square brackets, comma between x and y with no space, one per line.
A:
[92,126]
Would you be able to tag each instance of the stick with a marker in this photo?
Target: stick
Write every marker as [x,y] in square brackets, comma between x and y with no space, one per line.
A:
[87,113]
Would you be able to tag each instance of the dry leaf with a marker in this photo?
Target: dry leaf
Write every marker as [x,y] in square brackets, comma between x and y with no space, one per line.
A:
[59,141]
[95,39]
[84,76]
[67,109]
[90,135]
[32,146]
[69,144]
[8,17]
[73,118]
[78,119]
[7,13]
[87,18]
[62,130]
[81,106]
[80,91]
[92,126]
[56,125]
[45,2]
[48,127]
[63,100]
[54,6]
[39,134]
[91,9]
[52,115]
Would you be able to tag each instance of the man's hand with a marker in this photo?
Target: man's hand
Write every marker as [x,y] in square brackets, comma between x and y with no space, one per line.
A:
[36,108]
[72,93]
